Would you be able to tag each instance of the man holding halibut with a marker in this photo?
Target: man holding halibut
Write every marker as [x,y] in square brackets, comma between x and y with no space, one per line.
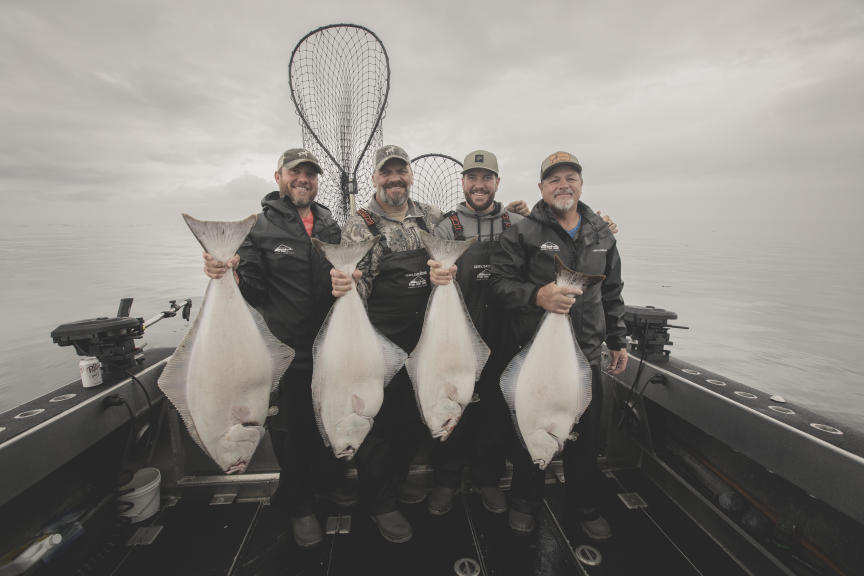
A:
[523,283]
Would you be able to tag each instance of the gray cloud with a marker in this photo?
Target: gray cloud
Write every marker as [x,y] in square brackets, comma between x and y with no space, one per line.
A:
[165,99]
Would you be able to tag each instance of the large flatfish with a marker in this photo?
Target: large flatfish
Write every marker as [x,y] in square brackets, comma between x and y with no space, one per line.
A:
[547,385]
[352,361]
[450,353]
[222,373]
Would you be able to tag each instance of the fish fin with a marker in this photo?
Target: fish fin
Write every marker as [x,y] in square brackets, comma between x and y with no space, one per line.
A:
[220,239]
[281,354]
[452,392]
[411,367]
[394,357]
[507,383]
[316,378]
[172,381]
[478,345]
[585,381]
[345,257]
[357,404]
[445,251]
[564,276]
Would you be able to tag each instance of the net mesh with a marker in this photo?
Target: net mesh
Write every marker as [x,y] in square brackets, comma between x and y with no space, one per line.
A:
[437,180]
[340,78]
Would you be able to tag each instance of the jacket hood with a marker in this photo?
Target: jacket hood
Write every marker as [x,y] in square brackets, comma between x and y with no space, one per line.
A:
[463,208]
[286,208]
[543,214]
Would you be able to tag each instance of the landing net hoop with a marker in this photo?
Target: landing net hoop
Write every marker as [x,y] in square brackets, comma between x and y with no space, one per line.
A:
[339,76]
[437,180]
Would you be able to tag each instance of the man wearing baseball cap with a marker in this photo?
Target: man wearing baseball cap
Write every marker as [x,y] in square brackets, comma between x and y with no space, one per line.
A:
[483,431]
[523,282]
[280,274]
[393,279]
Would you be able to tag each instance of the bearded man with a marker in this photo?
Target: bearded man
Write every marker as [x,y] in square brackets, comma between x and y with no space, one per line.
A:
[393,280]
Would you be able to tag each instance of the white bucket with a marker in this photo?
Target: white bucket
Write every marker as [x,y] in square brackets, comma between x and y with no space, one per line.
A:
[142,500]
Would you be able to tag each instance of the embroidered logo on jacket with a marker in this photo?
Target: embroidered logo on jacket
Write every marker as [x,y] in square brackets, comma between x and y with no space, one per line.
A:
[283,249]
[550,247]
[485,271]
[418,281]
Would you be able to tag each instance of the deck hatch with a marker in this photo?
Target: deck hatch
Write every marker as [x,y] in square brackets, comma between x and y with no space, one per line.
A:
[221,499]
[340,524]
[632,500]
[144,536]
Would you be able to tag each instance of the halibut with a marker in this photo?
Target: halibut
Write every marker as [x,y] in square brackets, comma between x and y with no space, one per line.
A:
[547,385]
[450,355]
[352,361]
[222,373]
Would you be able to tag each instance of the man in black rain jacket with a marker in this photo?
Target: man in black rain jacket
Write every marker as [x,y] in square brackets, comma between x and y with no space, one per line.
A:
[288,282]
[523,283]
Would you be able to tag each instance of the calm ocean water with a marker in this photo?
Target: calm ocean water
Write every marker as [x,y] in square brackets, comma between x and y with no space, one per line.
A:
[781,316]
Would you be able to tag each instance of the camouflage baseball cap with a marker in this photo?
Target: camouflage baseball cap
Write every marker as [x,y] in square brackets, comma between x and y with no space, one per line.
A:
[480,159]
[557,159]
[385,153]
[295,157]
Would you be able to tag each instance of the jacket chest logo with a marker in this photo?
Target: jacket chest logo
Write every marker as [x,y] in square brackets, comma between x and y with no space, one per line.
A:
[485,271]
[283,249]
[550,247]
[417,280]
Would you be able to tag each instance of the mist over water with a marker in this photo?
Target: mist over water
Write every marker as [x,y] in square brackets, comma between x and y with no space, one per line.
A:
[774,306]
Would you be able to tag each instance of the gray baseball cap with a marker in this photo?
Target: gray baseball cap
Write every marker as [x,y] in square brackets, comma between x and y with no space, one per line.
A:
[480,159]
[557,159]
[295,157]
[385,153]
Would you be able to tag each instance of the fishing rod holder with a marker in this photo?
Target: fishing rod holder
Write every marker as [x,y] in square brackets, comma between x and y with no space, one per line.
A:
[649,331]
[112,340]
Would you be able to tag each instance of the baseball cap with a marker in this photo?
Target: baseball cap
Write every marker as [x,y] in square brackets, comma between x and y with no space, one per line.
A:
[385,153]
[480,159]
[557,159]
[295,157]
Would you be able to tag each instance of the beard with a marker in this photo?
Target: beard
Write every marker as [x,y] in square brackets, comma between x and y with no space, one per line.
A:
[395,200]
[299,196]
[563,206]
[479,207]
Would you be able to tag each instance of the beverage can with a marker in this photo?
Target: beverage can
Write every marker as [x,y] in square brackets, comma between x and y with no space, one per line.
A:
[91,371]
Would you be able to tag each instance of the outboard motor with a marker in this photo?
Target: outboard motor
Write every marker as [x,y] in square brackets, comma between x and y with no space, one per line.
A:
[112,340]
[649,331]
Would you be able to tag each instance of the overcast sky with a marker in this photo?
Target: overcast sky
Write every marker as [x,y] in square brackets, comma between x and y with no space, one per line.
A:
[674,107]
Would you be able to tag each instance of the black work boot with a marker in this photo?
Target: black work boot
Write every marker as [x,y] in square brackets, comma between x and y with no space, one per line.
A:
[441,500]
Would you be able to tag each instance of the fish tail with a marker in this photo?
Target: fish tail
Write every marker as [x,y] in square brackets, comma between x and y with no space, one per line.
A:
[220,239]
[345,256]
[564,276]
[443,250]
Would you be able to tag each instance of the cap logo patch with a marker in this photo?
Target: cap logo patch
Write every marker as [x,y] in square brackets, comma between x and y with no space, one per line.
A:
[478,158]
[558,157]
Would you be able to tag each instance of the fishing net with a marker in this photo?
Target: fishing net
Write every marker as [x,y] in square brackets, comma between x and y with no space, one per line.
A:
[437,180]
[340,77]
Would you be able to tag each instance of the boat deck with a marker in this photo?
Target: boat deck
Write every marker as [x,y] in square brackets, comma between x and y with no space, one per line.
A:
[192,535]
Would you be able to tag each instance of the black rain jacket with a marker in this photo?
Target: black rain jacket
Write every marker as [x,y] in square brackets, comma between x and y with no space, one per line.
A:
[526,262]
[284,277]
